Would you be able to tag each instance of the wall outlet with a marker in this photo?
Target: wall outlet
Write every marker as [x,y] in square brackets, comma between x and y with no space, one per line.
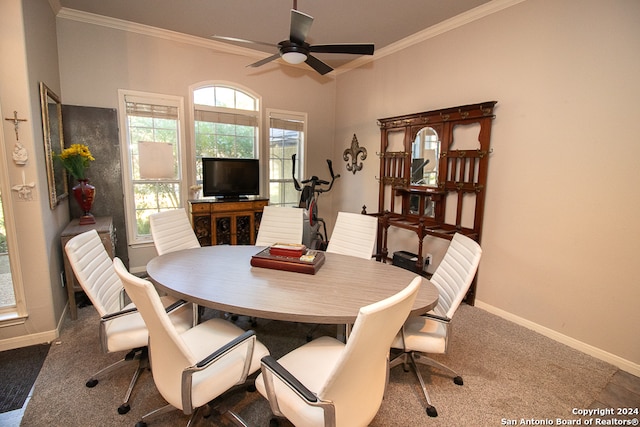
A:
[428,260]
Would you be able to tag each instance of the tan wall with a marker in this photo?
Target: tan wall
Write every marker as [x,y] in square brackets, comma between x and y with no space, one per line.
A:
[29,55]
[561,235]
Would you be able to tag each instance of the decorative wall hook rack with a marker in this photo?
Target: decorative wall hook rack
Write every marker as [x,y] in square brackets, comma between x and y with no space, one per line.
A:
[354,151]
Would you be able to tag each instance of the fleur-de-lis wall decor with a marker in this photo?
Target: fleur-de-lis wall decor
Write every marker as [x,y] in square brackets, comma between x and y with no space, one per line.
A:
[354,151]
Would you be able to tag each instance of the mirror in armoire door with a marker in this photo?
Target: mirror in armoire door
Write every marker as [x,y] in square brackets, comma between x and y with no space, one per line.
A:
[425,156]
[425,152]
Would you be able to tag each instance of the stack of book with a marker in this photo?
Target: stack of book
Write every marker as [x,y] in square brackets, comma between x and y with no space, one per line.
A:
[289,257]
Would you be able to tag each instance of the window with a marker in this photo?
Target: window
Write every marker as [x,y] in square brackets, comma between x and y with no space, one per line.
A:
[152,158]
[286,137]
[13,308]
[226,124]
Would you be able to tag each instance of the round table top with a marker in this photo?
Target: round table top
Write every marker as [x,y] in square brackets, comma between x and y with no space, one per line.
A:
[221,277]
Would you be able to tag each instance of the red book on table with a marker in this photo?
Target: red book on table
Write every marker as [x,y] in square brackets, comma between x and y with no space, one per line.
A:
[308,264]
[294,250]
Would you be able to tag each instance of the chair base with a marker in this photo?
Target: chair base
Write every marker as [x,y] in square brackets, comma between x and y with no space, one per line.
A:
[138,354]
[207,410]
[412,358]
[234,318]
[228,414]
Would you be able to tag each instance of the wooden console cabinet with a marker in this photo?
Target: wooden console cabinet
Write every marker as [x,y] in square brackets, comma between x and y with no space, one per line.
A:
[219,222]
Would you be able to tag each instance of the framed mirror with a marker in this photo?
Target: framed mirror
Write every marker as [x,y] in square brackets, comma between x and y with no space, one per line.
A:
[51,108]
[425,152]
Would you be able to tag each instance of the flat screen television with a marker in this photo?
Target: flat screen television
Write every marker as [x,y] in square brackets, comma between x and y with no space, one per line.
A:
[230,178]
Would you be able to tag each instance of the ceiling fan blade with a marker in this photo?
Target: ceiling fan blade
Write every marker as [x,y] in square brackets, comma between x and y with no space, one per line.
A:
[318,65]
[300,25]
[355,49]
[264,61]
[233,39]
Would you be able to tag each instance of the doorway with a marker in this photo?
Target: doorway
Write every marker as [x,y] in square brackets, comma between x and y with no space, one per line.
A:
[7,295]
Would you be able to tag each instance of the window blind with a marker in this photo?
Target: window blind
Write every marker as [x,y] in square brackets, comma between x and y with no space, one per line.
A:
[227,118]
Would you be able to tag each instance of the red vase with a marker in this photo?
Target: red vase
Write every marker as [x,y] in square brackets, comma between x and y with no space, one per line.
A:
[84,194]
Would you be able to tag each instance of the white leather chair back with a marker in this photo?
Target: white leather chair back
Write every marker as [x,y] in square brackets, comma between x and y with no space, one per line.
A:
[280,225]
[168,353]
[171,231]
[177,355]
[357,384]
[94,270]
[455,273]
[354,234]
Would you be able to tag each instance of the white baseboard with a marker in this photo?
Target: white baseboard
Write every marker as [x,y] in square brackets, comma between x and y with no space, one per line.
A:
[34,339]
[138,270]
[624,364]
[28,340]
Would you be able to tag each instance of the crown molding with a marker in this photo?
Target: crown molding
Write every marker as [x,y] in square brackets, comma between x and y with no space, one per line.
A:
[428,33]
[147,30]
[433,31]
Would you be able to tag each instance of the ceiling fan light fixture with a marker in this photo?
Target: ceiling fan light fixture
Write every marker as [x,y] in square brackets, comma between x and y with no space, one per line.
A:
[294,57]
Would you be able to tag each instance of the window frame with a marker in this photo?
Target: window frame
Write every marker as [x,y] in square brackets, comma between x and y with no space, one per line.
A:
[17,313]
[127,174]
[302,149]
[258,148]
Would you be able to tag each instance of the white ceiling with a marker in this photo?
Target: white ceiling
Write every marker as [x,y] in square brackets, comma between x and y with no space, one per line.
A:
[382,22]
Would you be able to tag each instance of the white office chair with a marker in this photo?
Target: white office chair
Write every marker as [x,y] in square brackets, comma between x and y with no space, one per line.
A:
[171,231]
[280,225]
[329,383]
[354,234]
[193,367]
[430,333]
[121,326]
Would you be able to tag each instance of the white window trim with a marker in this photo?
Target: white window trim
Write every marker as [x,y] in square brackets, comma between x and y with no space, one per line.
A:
[129,205]
[10,316]
[286,115]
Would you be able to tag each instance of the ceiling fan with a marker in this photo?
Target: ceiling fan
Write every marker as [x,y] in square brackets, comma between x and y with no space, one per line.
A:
[296,50]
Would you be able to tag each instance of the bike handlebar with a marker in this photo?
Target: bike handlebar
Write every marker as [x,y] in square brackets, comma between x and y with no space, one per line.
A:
[293,173]
[314,180]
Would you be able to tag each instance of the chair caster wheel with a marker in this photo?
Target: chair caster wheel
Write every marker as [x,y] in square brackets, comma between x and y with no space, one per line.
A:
[458,380]
[431,411]
[123,409]
[92,383]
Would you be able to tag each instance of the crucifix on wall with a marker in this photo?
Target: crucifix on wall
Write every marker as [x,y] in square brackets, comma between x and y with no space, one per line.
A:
[20,155]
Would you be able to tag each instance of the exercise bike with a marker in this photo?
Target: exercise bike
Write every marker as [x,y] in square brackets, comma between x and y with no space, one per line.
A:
[312,236]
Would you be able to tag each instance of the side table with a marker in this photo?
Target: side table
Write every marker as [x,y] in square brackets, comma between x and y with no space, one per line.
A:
[107,233]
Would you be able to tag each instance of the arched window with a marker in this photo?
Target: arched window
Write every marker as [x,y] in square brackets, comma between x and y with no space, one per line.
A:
[226,123]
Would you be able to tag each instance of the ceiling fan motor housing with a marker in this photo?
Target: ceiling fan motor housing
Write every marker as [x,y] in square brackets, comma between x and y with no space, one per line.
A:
[292,52]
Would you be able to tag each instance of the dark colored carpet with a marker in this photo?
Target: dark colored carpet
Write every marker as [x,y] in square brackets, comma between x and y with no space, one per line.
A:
[19,369]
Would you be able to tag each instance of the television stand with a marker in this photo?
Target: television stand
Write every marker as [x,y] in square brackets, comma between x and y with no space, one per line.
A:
[228,221]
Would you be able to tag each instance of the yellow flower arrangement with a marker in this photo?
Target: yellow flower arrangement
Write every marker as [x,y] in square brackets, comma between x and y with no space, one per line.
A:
[76,160]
